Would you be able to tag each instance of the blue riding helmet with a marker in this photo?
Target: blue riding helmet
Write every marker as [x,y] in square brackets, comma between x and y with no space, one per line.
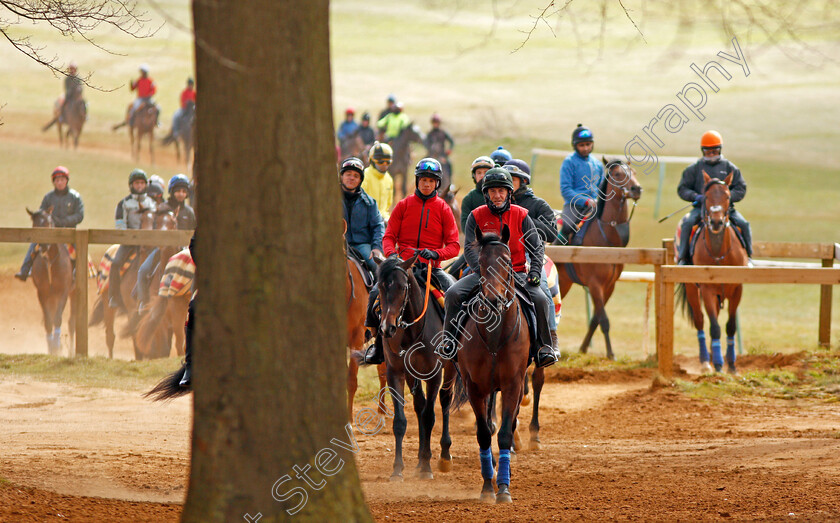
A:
[178,181]
[501,156]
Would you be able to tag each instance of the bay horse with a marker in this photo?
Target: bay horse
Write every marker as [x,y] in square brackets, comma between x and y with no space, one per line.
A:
[351,146]
[144,123]
[717,244]
[611,228]
[185,133]
[357,300]
[409,329]
[73,114]
[52,274]
[102,313]
[493,350]
[401,161]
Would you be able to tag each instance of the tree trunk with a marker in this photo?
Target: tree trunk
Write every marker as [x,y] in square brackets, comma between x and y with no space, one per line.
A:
[269,433]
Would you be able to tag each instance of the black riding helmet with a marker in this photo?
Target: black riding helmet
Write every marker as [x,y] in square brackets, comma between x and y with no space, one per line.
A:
[519,169]
[581,134]
[428,168]
[497,177]
[137,174]
[353,164]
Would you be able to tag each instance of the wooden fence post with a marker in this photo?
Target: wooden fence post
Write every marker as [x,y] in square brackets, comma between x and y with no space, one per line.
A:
[81,309]
[825,308]
[665,343]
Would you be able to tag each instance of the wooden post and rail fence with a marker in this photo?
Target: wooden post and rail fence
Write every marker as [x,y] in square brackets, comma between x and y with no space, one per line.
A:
[82,238]
[665,275]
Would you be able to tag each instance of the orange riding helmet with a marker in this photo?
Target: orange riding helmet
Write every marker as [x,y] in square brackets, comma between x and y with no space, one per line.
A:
[711,139]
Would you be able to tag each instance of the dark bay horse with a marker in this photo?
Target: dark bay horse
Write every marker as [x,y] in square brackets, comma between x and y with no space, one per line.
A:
[493,356]
[73,114]
[717,244]
[401,162]
[408,335]
[52,274]
[145,121]
[184,135]
[611,228]
[101,311]
[351,146]
[357,299]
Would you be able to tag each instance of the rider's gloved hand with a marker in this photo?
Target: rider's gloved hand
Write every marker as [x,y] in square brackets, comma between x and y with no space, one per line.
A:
[428,254]
[591,203]
[533,280]
[698,201]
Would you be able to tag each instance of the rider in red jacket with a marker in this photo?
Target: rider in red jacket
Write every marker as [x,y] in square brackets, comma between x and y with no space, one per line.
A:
[420,222]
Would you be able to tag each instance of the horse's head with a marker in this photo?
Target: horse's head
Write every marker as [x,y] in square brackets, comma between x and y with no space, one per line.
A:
[41,217]
[496,269]
[147,218]
[716,202]
[619,185]
[165,221]
[394,283]
[412,133]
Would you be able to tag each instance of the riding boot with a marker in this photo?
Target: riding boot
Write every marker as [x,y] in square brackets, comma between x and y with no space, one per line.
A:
[27,263]
[375,354]
[546,354]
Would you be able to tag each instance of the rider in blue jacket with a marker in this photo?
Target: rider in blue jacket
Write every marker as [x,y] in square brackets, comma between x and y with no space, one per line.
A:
[365,227]
[580,179]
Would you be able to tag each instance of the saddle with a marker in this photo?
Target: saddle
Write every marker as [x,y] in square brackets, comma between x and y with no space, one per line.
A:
[695,235]
[527,307]
[368,277]
[105,266]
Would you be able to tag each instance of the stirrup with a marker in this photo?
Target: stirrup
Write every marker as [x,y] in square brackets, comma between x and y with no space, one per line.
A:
[373,356]
[547,359]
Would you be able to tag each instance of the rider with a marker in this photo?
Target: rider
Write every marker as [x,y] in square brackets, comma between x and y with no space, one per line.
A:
[67,211]
[390,102]
[475,198]
[127,216]
[179,187]
[349,126]
[365,227]
[394,122]
[691,190]
[376,182]
[499,212]
[145,88]
[580,180]
[187,95]
[154,190]
[439,141]
[421,223]
[501,156]
[365,131]
[72,88]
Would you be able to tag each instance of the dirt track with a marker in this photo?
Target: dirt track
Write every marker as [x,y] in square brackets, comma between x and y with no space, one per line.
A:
[612,448]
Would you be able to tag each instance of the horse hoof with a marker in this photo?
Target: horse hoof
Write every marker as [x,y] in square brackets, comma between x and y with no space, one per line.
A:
[487,497]
[396,478]
[732,371]
[425,475]
[535,444]
[503,496]
[445,465]
[706,368]
[718,368]
[526,400]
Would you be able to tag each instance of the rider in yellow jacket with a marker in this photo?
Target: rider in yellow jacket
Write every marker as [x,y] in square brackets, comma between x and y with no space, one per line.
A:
[377,183]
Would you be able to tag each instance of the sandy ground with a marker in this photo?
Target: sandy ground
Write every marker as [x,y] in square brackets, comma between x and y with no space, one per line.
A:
[612,448]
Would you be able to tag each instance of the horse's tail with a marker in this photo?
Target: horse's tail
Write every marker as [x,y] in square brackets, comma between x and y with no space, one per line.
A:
[459,396]
[130,328]
[97,316]
[169,387]
[359,356]
[682,301]
[52,122]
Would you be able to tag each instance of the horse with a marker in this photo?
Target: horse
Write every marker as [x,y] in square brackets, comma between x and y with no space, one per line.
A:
[611,228]
[101,310]
[493,350]
[717,244]
[74,114]
[402,155]
[143,123]
[351,145]
[410,357]
[450,198]
[357,299]
[183,136]
[52,274]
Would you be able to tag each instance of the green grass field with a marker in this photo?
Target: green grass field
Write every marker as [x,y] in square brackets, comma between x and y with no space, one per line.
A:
[779,123]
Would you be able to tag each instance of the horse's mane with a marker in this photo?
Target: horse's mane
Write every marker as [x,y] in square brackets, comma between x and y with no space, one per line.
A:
[388,267]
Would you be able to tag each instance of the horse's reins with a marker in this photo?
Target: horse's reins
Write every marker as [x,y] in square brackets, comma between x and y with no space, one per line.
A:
[402,324]
[504,307]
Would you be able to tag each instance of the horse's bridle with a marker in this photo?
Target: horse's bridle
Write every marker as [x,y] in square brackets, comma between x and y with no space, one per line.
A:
[707,218]
[625,193]
[510,285]
[400,322]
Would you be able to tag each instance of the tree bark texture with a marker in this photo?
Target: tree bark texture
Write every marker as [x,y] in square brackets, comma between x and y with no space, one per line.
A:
[270,350]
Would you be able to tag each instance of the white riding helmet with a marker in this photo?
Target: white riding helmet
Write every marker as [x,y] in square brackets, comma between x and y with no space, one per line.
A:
[144,68]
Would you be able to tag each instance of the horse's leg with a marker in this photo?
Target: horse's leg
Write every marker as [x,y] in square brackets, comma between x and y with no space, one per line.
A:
[526,397]
[396,383]
[352,385]
[710,300]
[109,329]
[605,320]
[534,428]
[427,420]
[732,327]
[152,144]
[445,462]
[484,437]
[416,388]
[491,412]
[593,324]
[46,308]
[511,397]
[383,382]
